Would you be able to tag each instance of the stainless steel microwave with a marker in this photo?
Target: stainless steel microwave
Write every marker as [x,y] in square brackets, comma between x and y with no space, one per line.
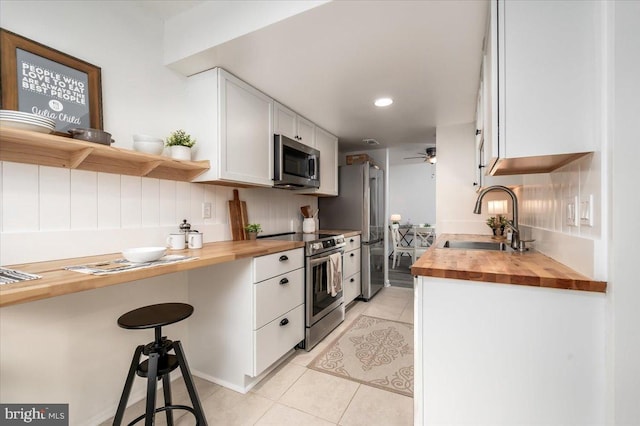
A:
[295,165]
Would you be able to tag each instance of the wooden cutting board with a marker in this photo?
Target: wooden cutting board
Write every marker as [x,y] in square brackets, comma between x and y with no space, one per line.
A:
[238,217]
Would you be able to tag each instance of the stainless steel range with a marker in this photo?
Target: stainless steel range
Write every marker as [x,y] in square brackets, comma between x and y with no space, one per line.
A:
[323,311]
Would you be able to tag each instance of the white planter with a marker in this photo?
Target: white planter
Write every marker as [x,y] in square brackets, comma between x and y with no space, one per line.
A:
[179,152]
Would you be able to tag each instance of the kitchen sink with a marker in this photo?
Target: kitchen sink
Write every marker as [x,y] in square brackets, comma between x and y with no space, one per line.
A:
[474,245]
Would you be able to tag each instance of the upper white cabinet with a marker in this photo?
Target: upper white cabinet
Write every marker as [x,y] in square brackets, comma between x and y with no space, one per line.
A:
[233,125]
[327,144]
[292,125]
[544,84]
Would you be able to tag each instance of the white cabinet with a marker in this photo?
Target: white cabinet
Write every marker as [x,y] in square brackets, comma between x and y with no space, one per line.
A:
[278,306]
[351,284]
[292,125]
[248,314]
[327,144]
[504,345]
[233,125]
[546,80]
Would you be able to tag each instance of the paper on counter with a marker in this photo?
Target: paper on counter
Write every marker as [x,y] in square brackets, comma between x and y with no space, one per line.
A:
[123,265]
[8,276]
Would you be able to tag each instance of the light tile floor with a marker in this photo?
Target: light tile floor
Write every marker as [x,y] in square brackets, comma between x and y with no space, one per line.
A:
[296,395]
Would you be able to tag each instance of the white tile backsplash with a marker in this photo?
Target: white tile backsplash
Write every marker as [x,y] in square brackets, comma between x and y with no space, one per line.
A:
[150,193]
[55,199]
[109,187]
[20,203]
[131,202]
[544,197]
[543,202]
[54,213]
[167,202]
[84,199]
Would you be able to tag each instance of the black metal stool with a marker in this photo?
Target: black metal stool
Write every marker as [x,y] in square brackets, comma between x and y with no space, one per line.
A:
[160,363]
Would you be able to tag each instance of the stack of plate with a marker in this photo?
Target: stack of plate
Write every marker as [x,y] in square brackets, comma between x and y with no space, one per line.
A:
[26,121]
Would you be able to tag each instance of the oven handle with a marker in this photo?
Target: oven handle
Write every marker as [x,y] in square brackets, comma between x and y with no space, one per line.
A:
[319,260]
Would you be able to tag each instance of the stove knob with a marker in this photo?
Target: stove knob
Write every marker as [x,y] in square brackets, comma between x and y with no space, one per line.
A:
[316,246]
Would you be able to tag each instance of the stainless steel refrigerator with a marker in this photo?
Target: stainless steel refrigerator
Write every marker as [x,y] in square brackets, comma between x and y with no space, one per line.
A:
[360,206]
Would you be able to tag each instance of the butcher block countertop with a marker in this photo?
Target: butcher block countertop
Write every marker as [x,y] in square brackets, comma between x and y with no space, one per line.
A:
[505,267]
[56,281]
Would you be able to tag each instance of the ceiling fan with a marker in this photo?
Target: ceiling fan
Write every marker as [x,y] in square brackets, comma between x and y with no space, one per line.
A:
[429,156]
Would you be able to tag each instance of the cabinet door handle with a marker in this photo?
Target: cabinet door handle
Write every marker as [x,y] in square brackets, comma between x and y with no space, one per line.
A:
[284,322]
[284,281]
[283,258]
[352,255]
[351,240]
[352,279]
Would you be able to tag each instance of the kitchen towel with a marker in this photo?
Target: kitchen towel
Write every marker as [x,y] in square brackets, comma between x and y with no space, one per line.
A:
[335,274]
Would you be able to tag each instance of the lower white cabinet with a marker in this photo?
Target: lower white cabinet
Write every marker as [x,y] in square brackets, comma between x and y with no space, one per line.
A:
[351,283]
[278,306]
[247,315]
[277,295]
[277,337]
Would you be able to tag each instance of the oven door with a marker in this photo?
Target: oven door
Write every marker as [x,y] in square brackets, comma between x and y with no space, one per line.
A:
[319,301]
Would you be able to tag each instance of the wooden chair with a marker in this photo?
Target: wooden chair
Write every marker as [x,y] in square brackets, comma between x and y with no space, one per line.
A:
[398,248]
[423,236]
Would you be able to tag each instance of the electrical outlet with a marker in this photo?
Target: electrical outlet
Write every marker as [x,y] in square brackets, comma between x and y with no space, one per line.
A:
[586,211]
[571,215]
[206,210]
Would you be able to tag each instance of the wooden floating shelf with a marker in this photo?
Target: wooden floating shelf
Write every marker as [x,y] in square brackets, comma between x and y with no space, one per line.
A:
[22,146]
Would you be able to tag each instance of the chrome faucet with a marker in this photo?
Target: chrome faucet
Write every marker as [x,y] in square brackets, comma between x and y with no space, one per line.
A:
[515,238]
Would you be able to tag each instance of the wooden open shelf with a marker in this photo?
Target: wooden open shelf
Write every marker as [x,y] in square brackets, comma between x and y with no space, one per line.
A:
[22,146]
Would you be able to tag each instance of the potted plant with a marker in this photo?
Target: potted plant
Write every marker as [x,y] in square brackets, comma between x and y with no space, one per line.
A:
[180,143]
[496,223]
[252,230]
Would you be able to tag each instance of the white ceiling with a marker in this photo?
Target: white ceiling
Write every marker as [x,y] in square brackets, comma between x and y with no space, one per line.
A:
[331,62]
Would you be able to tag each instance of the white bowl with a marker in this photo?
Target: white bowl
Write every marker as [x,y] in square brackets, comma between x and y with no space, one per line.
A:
[146,138]
[144,254]
[149,147]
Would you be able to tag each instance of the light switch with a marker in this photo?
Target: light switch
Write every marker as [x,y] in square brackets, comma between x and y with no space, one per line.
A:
[586,211]
[571,215]
[206,210]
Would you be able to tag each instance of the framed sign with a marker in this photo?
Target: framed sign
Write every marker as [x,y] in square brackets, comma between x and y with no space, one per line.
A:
[39,80]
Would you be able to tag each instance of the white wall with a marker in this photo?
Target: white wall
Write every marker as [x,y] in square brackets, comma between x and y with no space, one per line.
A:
[455,193]
[412,192]
[624,291]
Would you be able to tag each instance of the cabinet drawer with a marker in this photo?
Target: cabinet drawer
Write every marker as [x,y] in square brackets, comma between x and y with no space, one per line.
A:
[351,287]
[352,242]
[277,264]
[351,263]
[276,338]
[277,295]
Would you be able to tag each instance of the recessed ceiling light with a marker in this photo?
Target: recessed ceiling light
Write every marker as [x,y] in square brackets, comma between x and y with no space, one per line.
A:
[383,102]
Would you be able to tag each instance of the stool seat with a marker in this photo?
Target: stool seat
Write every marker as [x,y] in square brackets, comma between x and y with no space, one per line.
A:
[155,315]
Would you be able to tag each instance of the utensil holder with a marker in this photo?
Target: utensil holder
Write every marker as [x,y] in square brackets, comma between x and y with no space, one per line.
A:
[309,225]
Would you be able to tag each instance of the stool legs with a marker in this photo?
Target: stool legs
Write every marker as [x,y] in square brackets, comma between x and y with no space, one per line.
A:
[152,383]
[117,420]
[188,380]
[166,388]
[152,379]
